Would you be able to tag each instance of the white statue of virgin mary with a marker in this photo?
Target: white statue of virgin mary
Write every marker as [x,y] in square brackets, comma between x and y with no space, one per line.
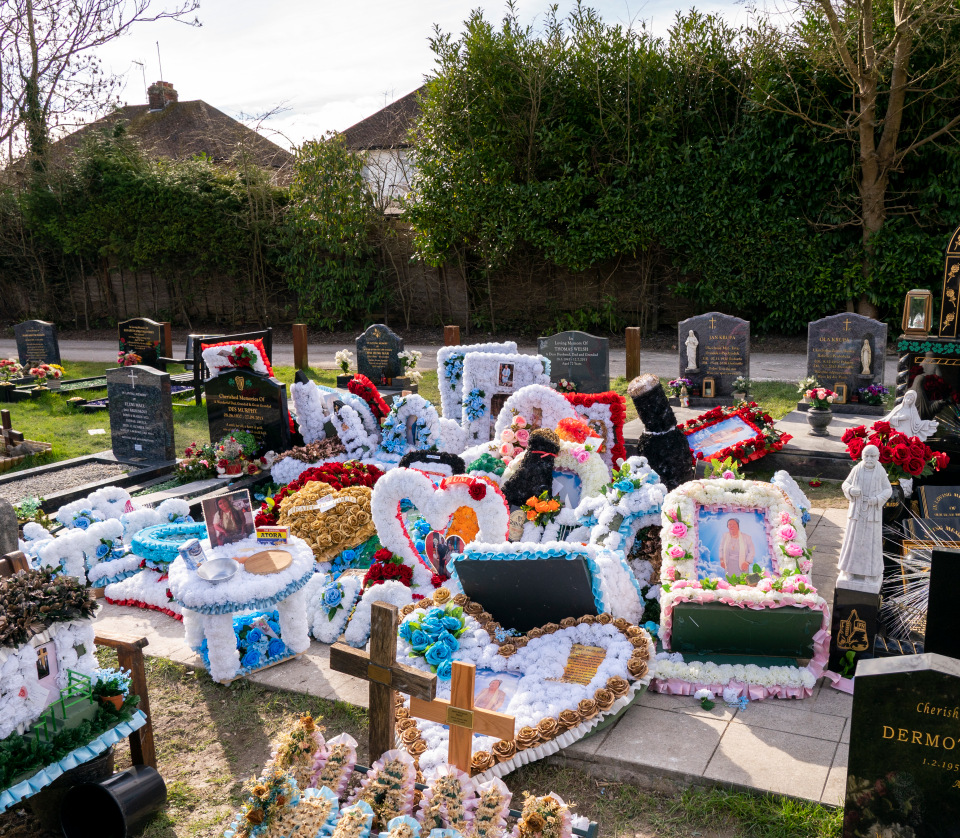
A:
[906,419]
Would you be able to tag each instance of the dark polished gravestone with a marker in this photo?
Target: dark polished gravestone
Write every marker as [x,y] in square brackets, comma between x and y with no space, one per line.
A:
[853,629]
[903,774]
[578,357]
[141,414]
[714,346]
[244,401]
[940,633]
[37,342]
[940,502]
[848,349]
[378,351]
[148,338]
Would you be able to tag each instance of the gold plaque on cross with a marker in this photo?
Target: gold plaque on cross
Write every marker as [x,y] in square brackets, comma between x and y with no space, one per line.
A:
[379,674]
[459,717]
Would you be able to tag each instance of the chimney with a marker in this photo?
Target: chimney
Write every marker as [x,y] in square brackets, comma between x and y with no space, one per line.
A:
[160,94]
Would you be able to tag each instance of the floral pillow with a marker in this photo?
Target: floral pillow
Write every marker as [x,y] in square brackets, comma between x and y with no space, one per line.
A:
[233,355]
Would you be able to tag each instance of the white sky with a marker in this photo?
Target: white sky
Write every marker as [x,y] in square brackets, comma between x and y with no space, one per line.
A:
[330,64]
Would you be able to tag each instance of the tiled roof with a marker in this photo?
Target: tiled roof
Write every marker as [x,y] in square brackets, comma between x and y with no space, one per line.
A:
[388,127]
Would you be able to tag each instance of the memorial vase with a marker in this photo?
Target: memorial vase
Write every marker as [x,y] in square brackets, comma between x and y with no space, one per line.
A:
[894,509]
[819,419]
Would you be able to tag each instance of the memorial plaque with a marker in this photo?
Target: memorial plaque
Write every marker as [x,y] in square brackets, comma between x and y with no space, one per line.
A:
[149,339]
[933,529]
[37,342]
[903,775]
[714,346]
[580,358]
[244,401]
[940,501]
[141,414]
[848,349]
[853,629]
[378,351]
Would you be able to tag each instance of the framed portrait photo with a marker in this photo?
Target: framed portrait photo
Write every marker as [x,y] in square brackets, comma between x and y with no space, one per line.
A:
[229,518]
[709,386]
[841,390]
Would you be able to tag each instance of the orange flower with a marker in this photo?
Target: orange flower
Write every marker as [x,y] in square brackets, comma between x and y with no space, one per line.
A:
[531,501]
[552,506]
[531,514]
[542,506]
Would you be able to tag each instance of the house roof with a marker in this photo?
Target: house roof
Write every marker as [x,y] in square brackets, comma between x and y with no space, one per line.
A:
[388,127]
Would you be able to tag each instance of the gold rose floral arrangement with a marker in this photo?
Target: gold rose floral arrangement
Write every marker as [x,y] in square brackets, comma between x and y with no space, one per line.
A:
[328,520]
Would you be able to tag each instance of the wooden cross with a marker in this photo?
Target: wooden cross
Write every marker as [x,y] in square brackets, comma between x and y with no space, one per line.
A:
[385,675]
[461,716]
[9,436]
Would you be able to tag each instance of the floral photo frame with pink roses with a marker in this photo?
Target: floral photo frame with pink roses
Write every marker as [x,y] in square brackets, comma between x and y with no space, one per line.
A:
[787,539]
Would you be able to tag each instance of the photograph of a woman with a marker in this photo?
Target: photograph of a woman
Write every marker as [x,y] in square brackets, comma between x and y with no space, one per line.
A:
[229,518]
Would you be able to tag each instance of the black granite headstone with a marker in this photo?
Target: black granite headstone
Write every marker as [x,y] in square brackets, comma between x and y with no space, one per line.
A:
[718,346]
[940,501]
[933,529]
[147,338]
[941,635]
[950,300]
[37,342]
[244,401]
[378,351]
[835,351]
[903,774]
[853,629]
[141,414]
[578,357]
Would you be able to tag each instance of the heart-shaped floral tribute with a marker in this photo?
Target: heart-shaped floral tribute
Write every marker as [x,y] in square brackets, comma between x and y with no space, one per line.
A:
[550,713]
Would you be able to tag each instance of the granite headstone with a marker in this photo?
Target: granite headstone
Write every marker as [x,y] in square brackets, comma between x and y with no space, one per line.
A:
[148,338]
[8,527]
[245,401]
[141,414]
[836,354]
[37,342]
[714,345]
[933,529]
[940,631]
[378,354]
[578,357]
[940,501]
[853,629]
[903,774]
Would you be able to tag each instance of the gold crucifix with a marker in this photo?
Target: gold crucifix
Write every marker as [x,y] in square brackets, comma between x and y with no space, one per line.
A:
[846,325]
[713,322]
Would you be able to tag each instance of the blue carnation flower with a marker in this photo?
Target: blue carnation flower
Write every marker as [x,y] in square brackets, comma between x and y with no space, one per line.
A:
[421,547]
[444,670]
[276,647]
[251,659]
[419,640]
[653,629]
[438,653]
[436,613]
[255,636]
[81,523]
[624,485]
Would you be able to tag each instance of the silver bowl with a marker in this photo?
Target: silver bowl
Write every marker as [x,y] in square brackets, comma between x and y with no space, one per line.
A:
[218,570]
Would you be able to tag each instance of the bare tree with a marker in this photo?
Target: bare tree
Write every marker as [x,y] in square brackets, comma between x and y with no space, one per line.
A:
[49,70]
[896,67]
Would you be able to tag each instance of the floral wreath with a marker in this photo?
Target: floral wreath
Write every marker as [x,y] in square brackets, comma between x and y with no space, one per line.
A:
[363,387]
[450,373]
[393,442]
[767,438]
[480,381]
[552,405]
[680,532]
[610,410]
[244,355]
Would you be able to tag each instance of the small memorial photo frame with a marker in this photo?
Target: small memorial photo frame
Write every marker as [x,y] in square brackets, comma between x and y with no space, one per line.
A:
[841,390]
[709,388]
[229,518]
[505,375]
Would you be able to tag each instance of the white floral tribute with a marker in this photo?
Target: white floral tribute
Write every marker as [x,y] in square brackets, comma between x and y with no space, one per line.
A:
[318,417]
[679,533]
[599,417]
[486,375]
[615,590]
[330,604]
[409,360]
[34,535]
[792,490]
[450,373]
[412,425]
[675,676]
[67,552]
[22,698]
[215,359]
[436,505]
[391,592]
[148,589]
[540,693]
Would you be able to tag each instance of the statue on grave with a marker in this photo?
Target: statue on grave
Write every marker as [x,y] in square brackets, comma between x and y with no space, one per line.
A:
[691,343]
[906,419]
[866,356]
[861,556]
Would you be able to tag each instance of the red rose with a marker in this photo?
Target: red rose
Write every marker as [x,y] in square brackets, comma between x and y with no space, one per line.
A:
[391,571]
[855,448]
[382,555]
[882,428]
[436,580]
[914,466]
[478,491]
[406,574]
[901,453]
[417,597]
[942,459]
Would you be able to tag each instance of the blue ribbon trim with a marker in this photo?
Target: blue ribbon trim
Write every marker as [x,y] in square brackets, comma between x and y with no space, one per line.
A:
[45,776]
[253,604]
[103,581]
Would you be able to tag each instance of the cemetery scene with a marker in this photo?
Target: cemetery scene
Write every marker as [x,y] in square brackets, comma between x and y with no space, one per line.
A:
[468,469]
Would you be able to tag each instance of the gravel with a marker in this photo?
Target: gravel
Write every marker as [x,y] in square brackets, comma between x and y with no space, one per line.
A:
[58,481]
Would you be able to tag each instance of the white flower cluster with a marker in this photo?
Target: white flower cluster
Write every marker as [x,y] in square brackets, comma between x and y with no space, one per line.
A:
[391,592]
[493,374]
[722,676]
[105,503]
[317,413]
[322,627]
[410,359]
[450,373]
[33,537]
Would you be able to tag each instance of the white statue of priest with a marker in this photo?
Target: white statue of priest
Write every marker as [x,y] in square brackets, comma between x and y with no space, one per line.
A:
[906,419]
[861,555]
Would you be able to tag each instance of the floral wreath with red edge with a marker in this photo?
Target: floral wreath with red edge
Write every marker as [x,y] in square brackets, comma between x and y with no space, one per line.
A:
[336,475]
[618,415]
[363,387]
[244,354]
[767,438]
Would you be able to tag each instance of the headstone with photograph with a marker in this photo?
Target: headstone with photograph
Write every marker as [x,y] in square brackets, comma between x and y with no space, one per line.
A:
[37,342]
[141,414]
[714,346]
[243,401]
[580,358]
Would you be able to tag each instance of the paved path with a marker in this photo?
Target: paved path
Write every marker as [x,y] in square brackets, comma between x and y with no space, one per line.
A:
[764,366]
[797,748]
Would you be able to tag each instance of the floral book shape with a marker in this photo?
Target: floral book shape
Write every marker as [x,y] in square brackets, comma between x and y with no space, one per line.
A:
[333,764]
[449,800]
[493,806]
[389,786]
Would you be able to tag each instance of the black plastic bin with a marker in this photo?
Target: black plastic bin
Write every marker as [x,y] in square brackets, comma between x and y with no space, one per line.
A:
[115,808]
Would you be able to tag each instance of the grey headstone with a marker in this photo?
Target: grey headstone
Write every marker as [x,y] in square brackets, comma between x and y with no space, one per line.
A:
[834,347]
[37,342]
[723,352]
[141,414]
[578,357]
[244,401]
[145,337]
[8,527]
[902,774]
[378,351]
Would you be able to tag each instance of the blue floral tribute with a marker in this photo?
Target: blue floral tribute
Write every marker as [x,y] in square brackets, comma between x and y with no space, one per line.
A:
[258,641]
[435,636]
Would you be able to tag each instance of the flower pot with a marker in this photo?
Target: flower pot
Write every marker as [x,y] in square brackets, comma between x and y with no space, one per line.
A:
[739,396]
[343,379]
[401,382]
[819,419]
[115,700]
[54,384]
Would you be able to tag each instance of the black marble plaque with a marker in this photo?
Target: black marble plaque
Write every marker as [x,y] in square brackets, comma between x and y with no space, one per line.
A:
[37,342]
[940,501]
[141,414]
[903,775]
[941,634]
[378,351]
[145,337]
[951,288]
[933,529]
[244,401]
[721,352]
[578,357]
[835,351]
[853,629]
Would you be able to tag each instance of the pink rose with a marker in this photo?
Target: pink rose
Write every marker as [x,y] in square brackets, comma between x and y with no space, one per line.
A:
[506,449]
[520,422]
[580,455]
[788,532]
[523,437]
[784,517]
[507,460]
[794,550]
[728,475]
[723,584]
[508,435]
[670,573]
[679,529]
[677,552]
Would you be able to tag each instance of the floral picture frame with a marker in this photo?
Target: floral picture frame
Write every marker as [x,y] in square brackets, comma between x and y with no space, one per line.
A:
[482,376]
[450,361]
[756,434]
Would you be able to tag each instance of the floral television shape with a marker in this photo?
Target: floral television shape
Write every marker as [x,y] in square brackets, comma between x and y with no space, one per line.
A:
[744,433]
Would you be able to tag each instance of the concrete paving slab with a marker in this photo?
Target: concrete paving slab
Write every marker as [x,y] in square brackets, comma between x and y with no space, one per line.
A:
[835,787]
[791,717]
[685,705]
